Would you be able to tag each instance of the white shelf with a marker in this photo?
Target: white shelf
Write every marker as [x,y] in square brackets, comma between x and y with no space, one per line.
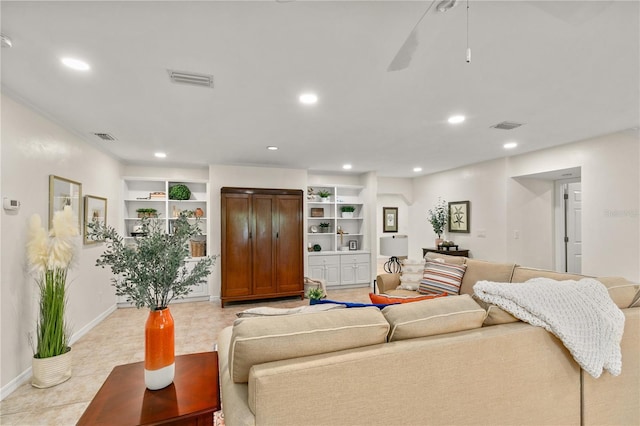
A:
[337,268]
[136,189]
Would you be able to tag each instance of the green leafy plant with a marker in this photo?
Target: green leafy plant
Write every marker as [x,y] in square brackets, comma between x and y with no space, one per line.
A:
[179,192]
[147,212]
[324,225]
[151,272]
[51,257]
[348,209]
[315,293]
[438,216]
[323,194]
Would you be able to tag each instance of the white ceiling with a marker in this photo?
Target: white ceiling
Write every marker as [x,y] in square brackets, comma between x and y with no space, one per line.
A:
[568,70]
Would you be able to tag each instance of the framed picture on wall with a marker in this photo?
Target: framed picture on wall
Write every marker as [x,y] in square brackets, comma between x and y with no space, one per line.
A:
[64,192]
[353,245]
[95,210]
[459,217]
[390,218]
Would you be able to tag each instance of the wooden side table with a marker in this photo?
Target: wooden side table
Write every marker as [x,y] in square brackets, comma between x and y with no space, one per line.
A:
[191,399]
[458,252]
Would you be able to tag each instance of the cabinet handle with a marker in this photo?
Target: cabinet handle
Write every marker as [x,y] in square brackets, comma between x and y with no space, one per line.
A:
[277,235]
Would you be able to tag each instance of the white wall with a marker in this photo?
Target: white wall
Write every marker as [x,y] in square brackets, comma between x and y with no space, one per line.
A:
[33,147]
[484,186]
[502,202]
[610,167]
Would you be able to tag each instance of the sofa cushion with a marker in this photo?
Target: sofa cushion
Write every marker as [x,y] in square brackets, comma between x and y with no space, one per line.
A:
[389,300]
[265,339]
[266,311]
[441,278]
[622,292]
[430,317]
[478,270]
[447,258]
[522,274]
[495,314]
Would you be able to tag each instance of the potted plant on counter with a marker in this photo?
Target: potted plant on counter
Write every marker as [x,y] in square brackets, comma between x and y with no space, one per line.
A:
[438,218]
[151,272]
[51,257]
[324,227]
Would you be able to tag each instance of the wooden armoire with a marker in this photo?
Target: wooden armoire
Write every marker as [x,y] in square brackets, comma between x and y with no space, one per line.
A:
[262,253]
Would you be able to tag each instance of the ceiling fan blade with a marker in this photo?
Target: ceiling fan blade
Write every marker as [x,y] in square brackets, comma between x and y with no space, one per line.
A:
[408,48]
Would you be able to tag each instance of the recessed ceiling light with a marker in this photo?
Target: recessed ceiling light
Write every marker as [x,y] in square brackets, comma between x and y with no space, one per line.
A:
[455,119]
[347,167]
[160,155]
[272,148]
[308,98]
[76,64]
[417,169]
[510,145]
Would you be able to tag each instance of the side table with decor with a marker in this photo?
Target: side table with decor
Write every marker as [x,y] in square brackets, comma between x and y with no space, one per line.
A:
[191,399]
[451,251]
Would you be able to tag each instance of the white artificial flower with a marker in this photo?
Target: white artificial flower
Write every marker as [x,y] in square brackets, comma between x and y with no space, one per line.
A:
[63,234]
[37,247]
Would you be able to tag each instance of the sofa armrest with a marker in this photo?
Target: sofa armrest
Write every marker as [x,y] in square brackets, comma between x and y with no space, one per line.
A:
[386,282]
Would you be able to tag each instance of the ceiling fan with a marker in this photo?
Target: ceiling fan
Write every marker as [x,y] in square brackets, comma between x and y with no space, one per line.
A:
[405,54]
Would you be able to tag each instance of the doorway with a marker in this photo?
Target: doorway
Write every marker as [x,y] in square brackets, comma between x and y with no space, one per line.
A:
[568,225]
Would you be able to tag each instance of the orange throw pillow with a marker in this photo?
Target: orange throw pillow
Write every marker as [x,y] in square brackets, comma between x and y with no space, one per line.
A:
[381,299]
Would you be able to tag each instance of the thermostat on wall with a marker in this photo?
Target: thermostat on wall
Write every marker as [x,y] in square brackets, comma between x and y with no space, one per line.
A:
[10,204]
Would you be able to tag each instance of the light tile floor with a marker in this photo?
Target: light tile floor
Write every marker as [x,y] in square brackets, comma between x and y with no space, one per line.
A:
[119,339]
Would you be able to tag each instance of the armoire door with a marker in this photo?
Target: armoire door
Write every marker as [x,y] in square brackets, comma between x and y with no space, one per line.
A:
[289,244]
[263,252]
[236,243]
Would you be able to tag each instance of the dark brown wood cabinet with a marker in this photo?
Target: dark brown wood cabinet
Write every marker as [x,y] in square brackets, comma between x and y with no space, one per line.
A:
[262,243]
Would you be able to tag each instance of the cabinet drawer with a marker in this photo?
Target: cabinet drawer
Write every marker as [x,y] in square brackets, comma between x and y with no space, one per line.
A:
[355,258]
[323,260]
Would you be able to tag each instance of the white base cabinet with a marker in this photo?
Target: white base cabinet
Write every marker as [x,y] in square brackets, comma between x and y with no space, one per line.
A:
[341,269]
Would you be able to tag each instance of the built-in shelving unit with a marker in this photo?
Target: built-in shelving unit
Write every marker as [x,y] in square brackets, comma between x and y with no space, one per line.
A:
[153,193]
[335,239]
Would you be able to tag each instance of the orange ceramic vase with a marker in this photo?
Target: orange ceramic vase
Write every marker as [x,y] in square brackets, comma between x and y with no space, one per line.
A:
[159,350]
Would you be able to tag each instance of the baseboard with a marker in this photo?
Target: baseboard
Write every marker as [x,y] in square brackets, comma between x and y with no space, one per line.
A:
[97,320]
[24,377]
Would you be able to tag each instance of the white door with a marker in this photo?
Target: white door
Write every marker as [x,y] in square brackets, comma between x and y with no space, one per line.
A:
[573,227]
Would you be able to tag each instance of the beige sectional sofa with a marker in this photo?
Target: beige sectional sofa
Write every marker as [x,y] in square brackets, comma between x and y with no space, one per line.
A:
[428,362]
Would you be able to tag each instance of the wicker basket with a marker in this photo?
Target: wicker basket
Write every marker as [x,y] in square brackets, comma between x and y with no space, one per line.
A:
[198,248]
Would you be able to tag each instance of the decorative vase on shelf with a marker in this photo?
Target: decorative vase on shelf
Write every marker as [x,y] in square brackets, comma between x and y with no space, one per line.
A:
[439,242]
[347,215]
[199,212]
[51,371]
[159,349]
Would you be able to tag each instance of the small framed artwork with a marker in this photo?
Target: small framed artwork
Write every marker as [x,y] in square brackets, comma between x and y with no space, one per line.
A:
[95,210]
[390,218]
[317,212]
[353,245]
[64,192]
[459,217]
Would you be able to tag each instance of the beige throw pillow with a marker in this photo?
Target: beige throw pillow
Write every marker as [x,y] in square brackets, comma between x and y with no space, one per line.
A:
[265,339]
[478,270]
[622,292]
[430,317]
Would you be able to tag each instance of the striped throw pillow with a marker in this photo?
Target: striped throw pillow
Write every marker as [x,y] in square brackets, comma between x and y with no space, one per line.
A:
[441,278]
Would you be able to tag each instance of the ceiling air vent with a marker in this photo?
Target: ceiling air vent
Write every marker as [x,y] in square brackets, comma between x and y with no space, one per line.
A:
[105,136]
[202,80]
[506,125]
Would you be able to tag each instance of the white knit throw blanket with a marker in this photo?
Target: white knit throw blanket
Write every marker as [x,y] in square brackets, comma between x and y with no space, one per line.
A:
[580,313]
